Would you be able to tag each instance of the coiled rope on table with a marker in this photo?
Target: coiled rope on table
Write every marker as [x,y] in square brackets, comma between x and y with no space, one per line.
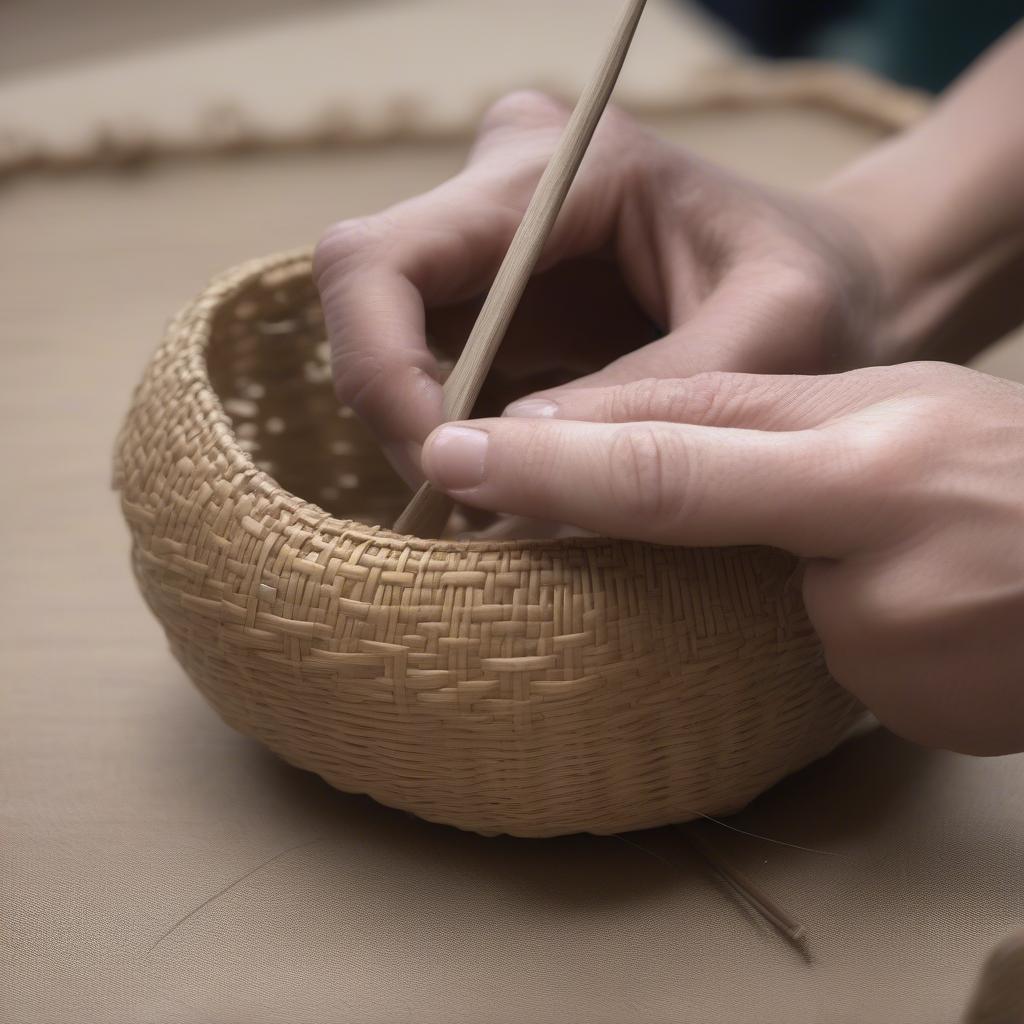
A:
[226,129]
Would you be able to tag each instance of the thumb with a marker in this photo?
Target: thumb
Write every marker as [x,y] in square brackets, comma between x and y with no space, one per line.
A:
[663,482]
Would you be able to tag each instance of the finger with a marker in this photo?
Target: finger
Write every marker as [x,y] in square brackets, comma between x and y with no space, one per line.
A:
[666,483]
[376,277]
[743,400]
[524,117]
[381,364]
[756,321]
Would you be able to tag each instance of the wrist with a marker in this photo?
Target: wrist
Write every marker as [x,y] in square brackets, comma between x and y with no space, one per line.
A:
[942,256]
[905,286]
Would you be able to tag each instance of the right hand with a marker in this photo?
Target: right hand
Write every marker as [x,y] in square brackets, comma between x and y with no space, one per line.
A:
[902,487]
[661,265]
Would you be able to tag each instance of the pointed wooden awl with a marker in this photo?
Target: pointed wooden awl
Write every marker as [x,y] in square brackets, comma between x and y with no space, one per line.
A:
[428,512]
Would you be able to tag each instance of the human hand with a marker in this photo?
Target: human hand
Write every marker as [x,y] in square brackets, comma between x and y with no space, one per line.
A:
[902,487]
[661,265]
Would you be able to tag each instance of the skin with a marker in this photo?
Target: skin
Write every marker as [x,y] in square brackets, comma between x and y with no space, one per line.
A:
[703,361]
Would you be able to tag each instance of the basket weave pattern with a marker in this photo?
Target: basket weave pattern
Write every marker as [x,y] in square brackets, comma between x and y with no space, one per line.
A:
[533,688]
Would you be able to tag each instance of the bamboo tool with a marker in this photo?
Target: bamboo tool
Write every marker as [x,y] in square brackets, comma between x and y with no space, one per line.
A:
[428,512]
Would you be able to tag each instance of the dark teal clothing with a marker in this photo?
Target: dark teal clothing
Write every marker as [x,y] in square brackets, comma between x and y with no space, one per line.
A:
[921,43]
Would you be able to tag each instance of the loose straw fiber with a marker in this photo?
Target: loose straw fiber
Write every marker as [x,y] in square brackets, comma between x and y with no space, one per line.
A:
[533,688]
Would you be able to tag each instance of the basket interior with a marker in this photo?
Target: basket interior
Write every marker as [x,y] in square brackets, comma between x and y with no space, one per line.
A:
[269,364]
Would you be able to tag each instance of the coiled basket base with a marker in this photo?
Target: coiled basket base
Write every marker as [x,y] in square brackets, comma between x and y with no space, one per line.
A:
[531,688]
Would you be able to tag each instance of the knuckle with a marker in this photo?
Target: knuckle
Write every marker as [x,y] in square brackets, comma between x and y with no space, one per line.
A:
[344,244]
[865,458]
[632,401]
[929,374]
[861,476]
[524,108]
[644,473]
[869,470]
[359,375]
[538,456]
[696,399]
[922,371]
[805,292]
[882,462]
[710,397]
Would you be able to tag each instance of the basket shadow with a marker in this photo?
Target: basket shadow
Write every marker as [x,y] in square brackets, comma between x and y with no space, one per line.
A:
[870,779]
[277,802]
[341,855]
[858,790]
[605,870]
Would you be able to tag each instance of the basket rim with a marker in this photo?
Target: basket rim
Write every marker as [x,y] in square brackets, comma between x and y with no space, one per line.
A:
[189,335]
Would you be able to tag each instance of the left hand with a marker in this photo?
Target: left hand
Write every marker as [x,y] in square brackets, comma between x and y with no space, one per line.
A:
[903,488]
[660,264]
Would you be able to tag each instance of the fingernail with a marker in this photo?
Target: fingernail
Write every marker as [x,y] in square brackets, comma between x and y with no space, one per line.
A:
[457,457]
[532,408]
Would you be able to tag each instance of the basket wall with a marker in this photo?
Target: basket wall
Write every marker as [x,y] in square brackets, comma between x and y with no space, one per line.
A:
[533,688]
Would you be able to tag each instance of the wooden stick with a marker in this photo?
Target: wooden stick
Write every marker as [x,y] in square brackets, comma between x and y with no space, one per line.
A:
[792,931]
[428,512]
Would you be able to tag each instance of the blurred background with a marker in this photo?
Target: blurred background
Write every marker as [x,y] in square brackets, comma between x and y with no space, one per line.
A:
[918,43]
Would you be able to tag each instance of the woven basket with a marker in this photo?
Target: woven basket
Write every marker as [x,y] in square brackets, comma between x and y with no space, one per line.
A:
[531,688]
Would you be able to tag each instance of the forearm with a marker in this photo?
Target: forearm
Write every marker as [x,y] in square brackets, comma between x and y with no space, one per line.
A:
[942,209]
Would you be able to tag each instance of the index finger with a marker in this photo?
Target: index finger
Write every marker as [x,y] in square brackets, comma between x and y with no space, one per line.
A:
[376,275]
[381,363]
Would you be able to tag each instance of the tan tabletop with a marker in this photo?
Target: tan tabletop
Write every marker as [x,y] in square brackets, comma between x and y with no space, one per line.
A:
[155,867]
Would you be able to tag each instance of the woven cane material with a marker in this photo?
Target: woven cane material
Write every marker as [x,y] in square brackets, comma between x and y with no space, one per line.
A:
[532,688]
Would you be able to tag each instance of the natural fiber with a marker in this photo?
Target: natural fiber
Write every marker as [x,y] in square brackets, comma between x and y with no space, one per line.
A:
[533,688]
